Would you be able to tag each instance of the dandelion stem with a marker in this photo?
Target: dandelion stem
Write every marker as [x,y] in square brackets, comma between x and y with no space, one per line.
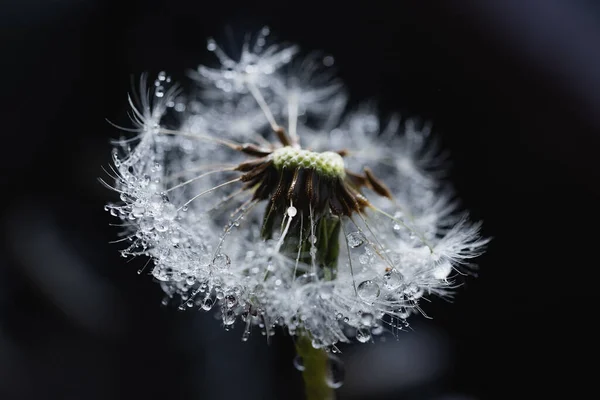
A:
[315,362]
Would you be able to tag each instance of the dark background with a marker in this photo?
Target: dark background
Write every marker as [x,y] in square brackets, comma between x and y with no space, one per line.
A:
[513,90]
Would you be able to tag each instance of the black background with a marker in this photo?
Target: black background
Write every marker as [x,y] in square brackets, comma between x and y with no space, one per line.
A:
[513,90]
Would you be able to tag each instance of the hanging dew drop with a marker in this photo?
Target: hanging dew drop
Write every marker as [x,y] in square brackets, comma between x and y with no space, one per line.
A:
[335,372]
[392,279]
[356,239]
[207,304]
[228,318]
[299,363]
[368,290]
[363,335]
[211,45]
[292,211]
[222,261]
[230,301]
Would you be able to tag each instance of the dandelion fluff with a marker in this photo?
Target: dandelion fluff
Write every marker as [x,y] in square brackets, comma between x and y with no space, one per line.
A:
[268,202]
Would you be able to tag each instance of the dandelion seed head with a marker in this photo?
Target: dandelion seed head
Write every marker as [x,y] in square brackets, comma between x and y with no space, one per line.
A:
[273,205]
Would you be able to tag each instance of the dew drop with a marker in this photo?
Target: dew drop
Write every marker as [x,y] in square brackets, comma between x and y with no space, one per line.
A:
[363,335]
[392,279]
[291,211]
[160,91]
[368,290]
[356,239]
[306,278]
[160,226]
[162,75]
[138,211]
[228,318]
[207,304]
[230,301]
[299,363]
[335,372]
[221,261]
[328,61]
[246,334]
[211,45]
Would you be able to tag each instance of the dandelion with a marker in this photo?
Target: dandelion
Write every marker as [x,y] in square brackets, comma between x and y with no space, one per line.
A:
[265,199]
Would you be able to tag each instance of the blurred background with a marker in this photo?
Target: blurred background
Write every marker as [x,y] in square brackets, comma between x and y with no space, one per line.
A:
[513,90]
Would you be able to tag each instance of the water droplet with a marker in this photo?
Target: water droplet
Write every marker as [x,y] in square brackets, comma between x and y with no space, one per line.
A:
[138,211]
[230,301]
[335,372]
[291,211]
[190,280]
[211,45]
[190,303]
[356,239]
[221,261]
[160,91]
[299,363]
[392,279]
[363,335]
[339,316]
[207,304]
[160,226]
[397,227]
[246,334]
[368,290]
[162,75]
[229,317]
[328,61]
[306,278]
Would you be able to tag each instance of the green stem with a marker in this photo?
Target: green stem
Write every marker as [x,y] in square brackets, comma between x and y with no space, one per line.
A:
[327,231]
[315,370]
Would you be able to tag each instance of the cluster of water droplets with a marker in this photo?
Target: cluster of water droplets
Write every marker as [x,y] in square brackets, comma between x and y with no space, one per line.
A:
[181,207]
